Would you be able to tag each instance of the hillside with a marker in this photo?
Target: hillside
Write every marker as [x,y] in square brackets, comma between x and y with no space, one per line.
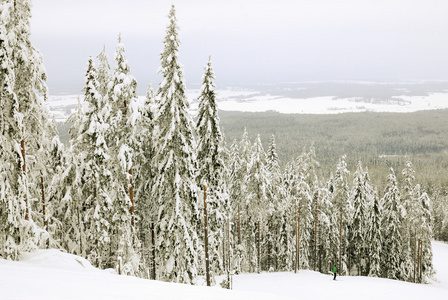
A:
[53,275]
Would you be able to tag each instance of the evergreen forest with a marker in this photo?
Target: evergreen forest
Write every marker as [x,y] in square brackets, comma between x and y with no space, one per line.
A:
[151,191]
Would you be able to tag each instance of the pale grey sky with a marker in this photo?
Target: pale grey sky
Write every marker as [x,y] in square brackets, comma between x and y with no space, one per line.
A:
[251,41]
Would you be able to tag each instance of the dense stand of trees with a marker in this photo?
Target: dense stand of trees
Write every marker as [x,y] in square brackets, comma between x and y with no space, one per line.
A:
[127,192]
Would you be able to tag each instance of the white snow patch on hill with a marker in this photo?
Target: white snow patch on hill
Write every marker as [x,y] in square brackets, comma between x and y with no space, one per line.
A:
[52,274]
[252,101]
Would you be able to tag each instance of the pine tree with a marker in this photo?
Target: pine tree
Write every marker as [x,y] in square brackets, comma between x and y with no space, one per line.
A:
[103,72]
[409,201]
[144,178]
[374,237]
[95,176]
[22,88]
[342,210]
[234,182]
[274,194]
[11,206]
[361,199]
[287,254]
[258,188]
[392,256]
[211,167]
[425,235]
[247,222]
[174,188]
[120,138]
[305,215]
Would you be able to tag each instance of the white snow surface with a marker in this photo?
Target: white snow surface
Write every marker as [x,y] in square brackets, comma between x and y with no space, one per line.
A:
[254,101]
[52,274]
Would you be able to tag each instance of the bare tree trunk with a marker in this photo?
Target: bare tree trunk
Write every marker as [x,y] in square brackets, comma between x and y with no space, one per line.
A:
[298,238]
[258,248]
[22,150]
[153,253]
[420,259]
[131,196]
[43,200]
[316,197]
[415,257]
[296,264]
[340,241]
[207,263]
[228,255]
[238,225]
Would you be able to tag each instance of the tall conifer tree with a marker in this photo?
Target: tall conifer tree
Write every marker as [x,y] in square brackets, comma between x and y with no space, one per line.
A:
[174,188]
[211,167]
[120,138]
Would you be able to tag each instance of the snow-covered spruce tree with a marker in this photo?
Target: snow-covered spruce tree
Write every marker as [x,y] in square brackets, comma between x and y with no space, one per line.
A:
[423,223]
[11,205]
[23,87]
[235,188]
[174,189]
[392,254]
[120,138]
[287,234]
[308,167]
[247,223]
[361,197]
[144,173]
[374,236]
[258,189]
[327,235]
[103,72]
[94,173]
[211,168]
[341,202]
[409,201]
[72,234]
[276,192]
[305,222]
[43,167]
[56,162]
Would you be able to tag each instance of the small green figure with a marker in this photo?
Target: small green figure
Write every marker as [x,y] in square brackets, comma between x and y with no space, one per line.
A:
[335,271]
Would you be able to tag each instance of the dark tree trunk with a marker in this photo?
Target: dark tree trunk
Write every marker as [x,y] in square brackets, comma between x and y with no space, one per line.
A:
[207,262]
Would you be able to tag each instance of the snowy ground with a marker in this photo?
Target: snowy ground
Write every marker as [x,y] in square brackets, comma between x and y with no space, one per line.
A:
[51,275]
[254,101]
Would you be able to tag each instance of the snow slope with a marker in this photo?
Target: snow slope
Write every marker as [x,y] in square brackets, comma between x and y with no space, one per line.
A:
[51,275]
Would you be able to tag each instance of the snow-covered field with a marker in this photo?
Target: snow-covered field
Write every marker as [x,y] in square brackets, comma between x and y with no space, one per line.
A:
[254,101]
[51,275]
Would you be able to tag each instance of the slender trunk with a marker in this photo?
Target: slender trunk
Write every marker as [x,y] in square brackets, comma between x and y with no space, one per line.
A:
[238,224]
[270,245]
[207,263]
[153,253]
[421,260]
[228,255]
[80,230]
[131,196]
[258,248]
[22,150]
[296,264]
[340,241]
[298,239]
[315,230]
[44,211]
[414,256]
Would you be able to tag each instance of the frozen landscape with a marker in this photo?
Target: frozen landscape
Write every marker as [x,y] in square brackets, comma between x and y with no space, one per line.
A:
[260,100]
[53,275]
[149,187]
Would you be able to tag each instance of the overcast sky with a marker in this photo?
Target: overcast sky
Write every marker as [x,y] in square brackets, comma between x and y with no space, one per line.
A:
[251,41]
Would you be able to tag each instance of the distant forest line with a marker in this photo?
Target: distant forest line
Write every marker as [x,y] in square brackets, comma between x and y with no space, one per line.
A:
[380,140]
